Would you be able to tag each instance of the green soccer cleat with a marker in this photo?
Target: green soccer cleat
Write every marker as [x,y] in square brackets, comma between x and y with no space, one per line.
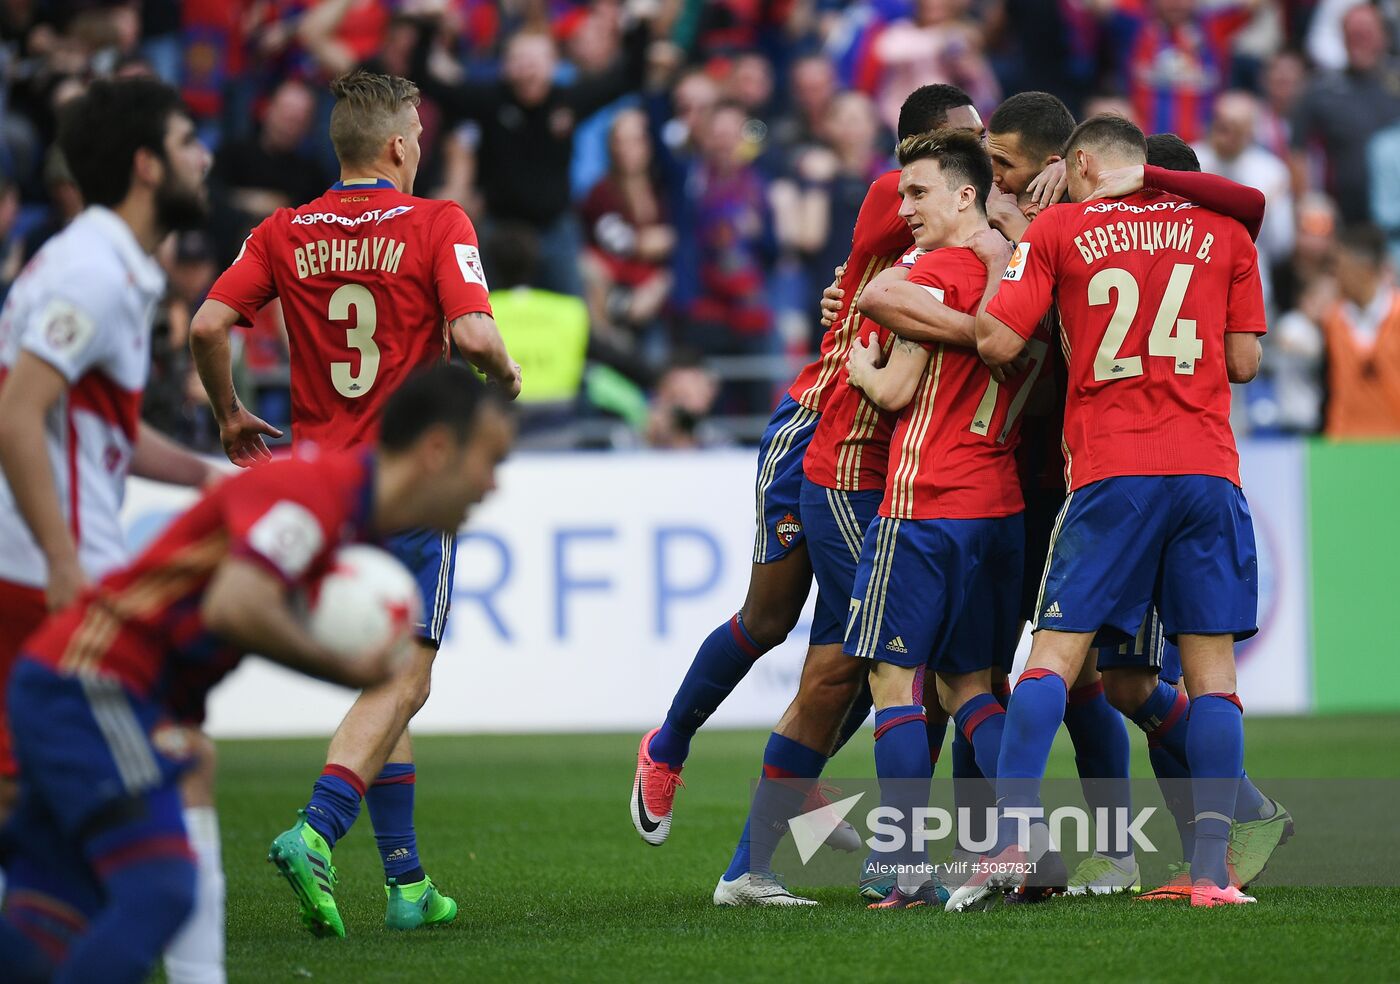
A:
[1100,875]
[417,904]
[304,858]
[1253,843]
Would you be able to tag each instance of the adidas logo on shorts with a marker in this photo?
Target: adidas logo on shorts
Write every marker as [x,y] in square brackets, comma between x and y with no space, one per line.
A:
[896,645]
[1053,611]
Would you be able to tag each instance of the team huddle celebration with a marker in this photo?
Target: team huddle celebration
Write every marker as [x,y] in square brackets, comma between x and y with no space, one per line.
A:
[1017,426]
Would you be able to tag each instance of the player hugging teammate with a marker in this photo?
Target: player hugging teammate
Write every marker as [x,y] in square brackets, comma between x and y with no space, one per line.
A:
[931,521]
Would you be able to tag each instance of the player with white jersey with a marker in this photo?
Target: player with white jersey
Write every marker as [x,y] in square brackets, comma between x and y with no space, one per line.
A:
[75,354]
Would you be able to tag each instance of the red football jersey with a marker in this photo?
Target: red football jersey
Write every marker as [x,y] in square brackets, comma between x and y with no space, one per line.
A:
[952,455]
[142,625]
[368,278]
[1147,286]
[879,239]
[850,448]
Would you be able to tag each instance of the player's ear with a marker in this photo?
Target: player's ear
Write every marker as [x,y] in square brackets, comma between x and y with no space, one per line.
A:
[435,448]
[148,166]
[398,149]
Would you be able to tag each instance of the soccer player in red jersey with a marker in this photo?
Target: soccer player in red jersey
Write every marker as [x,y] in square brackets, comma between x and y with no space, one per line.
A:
[1155,513]
[949,538]
[101,875]
[782,572]
[842,485]
[75,356]
[374,283]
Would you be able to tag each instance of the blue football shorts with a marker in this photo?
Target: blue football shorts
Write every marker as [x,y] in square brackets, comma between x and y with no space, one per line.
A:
[942,593]
[1184,543]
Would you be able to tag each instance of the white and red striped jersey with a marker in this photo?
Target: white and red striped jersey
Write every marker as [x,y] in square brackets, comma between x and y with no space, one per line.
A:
[84,305]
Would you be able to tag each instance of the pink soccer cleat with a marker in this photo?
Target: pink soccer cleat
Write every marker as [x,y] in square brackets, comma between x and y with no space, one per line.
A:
[653,793]
[1206,895]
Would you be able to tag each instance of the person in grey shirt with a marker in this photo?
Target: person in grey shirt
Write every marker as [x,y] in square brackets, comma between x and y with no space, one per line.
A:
[1341,111]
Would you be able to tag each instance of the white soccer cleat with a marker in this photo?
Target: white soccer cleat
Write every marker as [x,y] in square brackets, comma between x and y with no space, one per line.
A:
[991,879]
[1101,875]
[756,888]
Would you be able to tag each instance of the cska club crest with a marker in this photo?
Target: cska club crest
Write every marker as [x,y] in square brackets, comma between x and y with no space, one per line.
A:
[787,529]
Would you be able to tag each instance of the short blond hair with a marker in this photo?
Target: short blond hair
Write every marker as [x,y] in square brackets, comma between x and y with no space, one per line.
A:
[368,110]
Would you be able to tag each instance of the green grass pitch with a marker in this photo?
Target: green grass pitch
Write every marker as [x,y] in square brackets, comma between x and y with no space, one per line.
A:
[531,835]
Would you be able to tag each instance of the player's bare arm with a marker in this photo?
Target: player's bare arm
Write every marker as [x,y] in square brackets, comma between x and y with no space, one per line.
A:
[890,386]
[160,459]
[30,391]
[248,606]
[240,431]
[1242,356]
[995,252]
[480,342]
[912,312]
[997,344]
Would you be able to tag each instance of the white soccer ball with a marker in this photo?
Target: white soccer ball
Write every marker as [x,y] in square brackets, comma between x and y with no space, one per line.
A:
[364,602]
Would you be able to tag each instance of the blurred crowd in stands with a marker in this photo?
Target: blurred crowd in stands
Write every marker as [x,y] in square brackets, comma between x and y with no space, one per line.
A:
[663,187]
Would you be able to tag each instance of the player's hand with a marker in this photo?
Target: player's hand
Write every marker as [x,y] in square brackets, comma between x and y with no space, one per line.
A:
[1005,215]
[511,386]
[66,581]
[1119,181]
[242,437]
[831,298]
[1049,186]
[1011,369]
[991,247]
[863,358]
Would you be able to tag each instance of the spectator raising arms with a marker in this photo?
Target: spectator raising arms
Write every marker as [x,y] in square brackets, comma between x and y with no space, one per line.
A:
[527,124]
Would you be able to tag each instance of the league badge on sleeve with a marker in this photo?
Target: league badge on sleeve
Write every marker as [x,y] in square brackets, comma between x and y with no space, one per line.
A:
[469,261]
[1016,266]
[67,330]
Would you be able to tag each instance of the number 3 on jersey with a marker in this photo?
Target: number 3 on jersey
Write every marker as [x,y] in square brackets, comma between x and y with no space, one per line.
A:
[360,337]
[1171,337]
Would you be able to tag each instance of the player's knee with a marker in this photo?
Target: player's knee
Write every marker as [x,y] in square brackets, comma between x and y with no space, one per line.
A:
[1127,689]
[416,682]
[891,685]
[769,625]
[827,695]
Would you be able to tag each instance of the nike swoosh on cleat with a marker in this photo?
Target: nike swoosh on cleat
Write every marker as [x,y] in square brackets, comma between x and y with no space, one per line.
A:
[644,818]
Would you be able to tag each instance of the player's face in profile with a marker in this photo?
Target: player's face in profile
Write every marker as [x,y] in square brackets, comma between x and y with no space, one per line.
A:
[469,474]
[929,205]
[1012,168]
[182,199]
